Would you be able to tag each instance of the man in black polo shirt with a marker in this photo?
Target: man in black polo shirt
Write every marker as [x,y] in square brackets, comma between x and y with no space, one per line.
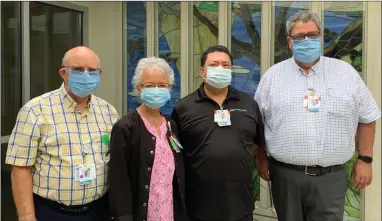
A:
[218,128]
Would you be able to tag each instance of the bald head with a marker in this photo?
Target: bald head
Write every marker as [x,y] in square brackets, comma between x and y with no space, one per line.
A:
[80,54]
[79,58]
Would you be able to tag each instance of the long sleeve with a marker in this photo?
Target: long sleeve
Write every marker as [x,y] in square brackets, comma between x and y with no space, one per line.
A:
[120,194]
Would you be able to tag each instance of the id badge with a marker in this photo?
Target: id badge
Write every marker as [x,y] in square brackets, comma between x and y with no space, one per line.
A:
[85,173]
[314,103]
[222,118]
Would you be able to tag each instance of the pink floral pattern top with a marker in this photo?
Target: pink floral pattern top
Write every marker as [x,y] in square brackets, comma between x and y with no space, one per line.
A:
[160,206]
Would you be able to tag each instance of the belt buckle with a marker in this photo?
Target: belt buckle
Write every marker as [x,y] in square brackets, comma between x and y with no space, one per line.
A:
[307,173]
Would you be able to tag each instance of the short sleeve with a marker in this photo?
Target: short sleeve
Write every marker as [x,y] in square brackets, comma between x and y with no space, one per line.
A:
[259,137]
[262,92]
[24,140]
[368,110]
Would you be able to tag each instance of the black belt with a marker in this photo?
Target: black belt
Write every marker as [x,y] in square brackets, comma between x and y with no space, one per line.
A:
[311,170]
[76,210]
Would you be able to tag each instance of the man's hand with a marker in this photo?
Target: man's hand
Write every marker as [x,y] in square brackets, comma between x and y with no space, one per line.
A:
[262,163]
[362,174]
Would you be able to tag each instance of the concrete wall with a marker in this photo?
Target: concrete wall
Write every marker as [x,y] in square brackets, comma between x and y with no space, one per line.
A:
[104,36]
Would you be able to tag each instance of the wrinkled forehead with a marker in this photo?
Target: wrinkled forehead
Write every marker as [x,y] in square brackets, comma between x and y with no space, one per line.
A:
[82,59]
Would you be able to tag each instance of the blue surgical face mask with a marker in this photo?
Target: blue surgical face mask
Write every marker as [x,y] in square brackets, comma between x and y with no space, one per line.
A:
[218,77]
[155,97]
[82,84]
[307,50]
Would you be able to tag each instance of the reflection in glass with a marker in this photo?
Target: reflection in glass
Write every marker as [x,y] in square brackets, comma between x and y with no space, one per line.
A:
[283,11]
[169,45]
[53,31]
[11,78]
[136,45]
[343,30]
[205,32]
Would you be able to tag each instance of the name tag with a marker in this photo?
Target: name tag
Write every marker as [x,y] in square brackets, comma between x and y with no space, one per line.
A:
[312,102]
[222,118]
[85,173]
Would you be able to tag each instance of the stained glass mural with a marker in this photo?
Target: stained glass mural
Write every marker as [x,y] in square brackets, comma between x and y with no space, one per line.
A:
[136,45]
[343,29]
[343,32]
[283,10]
[169,45]
[205,32]
[245,49]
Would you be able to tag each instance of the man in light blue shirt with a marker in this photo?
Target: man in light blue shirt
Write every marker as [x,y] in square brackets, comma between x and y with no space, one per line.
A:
[312,108]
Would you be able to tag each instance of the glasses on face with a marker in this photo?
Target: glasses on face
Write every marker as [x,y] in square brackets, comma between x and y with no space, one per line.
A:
[311,35]
[92,71]
[148,85]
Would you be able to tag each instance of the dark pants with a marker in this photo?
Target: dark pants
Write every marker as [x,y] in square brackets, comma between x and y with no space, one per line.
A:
[301,197]
[44,212]
[248,217]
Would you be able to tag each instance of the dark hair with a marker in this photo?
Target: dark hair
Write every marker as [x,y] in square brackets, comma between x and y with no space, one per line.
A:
[214,48]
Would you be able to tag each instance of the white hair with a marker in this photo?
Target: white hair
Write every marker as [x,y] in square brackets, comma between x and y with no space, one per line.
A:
[149,63]
[303,16]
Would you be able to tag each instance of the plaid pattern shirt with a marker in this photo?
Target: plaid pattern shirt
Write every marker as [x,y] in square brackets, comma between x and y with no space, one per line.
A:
[326,137]
[52,136]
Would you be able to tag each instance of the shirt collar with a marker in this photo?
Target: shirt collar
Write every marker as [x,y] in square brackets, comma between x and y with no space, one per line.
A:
[68,101]
[201,94]
[315,67]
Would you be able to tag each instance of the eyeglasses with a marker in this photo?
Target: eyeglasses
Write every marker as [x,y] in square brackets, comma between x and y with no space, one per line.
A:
[92,71]
[154,85]
[312,35]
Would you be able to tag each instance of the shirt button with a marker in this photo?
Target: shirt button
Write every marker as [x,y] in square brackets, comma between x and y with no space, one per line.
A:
[153,138]
[145,204]
[146,187]
[149,169]
[152,152]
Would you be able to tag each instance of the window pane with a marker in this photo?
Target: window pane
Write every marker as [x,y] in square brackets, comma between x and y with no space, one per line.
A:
[245,48]
[205,33]
[53,31]
[283,10]
[135,29]
[343,32]
[8,209]
[169,45]
[11,78]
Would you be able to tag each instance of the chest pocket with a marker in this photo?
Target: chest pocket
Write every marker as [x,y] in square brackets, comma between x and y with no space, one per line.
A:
[100,140]
[340,103]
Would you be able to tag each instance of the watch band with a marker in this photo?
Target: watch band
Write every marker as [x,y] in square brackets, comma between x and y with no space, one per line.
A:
[365,159]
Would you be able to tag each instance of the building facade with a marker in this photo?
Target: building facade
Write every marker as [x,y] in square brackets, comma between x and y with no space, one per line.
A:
[35,36]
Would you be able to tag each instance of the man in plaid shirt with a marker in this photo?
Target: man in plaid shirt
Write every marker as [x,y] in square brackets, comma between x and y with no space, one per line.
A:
[58,147]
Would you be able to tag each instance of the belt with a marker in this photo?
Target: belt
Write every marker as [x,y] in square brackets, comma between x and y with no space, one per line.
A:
[311,170]
[77,210]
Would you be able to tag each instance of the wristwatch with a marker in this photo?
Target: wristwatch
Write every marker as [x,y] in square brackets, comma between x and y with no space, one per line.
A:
[365,159]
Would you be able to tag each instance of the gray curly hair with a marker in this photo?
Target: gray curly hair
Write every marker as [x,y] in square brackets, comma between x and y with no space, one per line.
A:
[303,16]
[152,62]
